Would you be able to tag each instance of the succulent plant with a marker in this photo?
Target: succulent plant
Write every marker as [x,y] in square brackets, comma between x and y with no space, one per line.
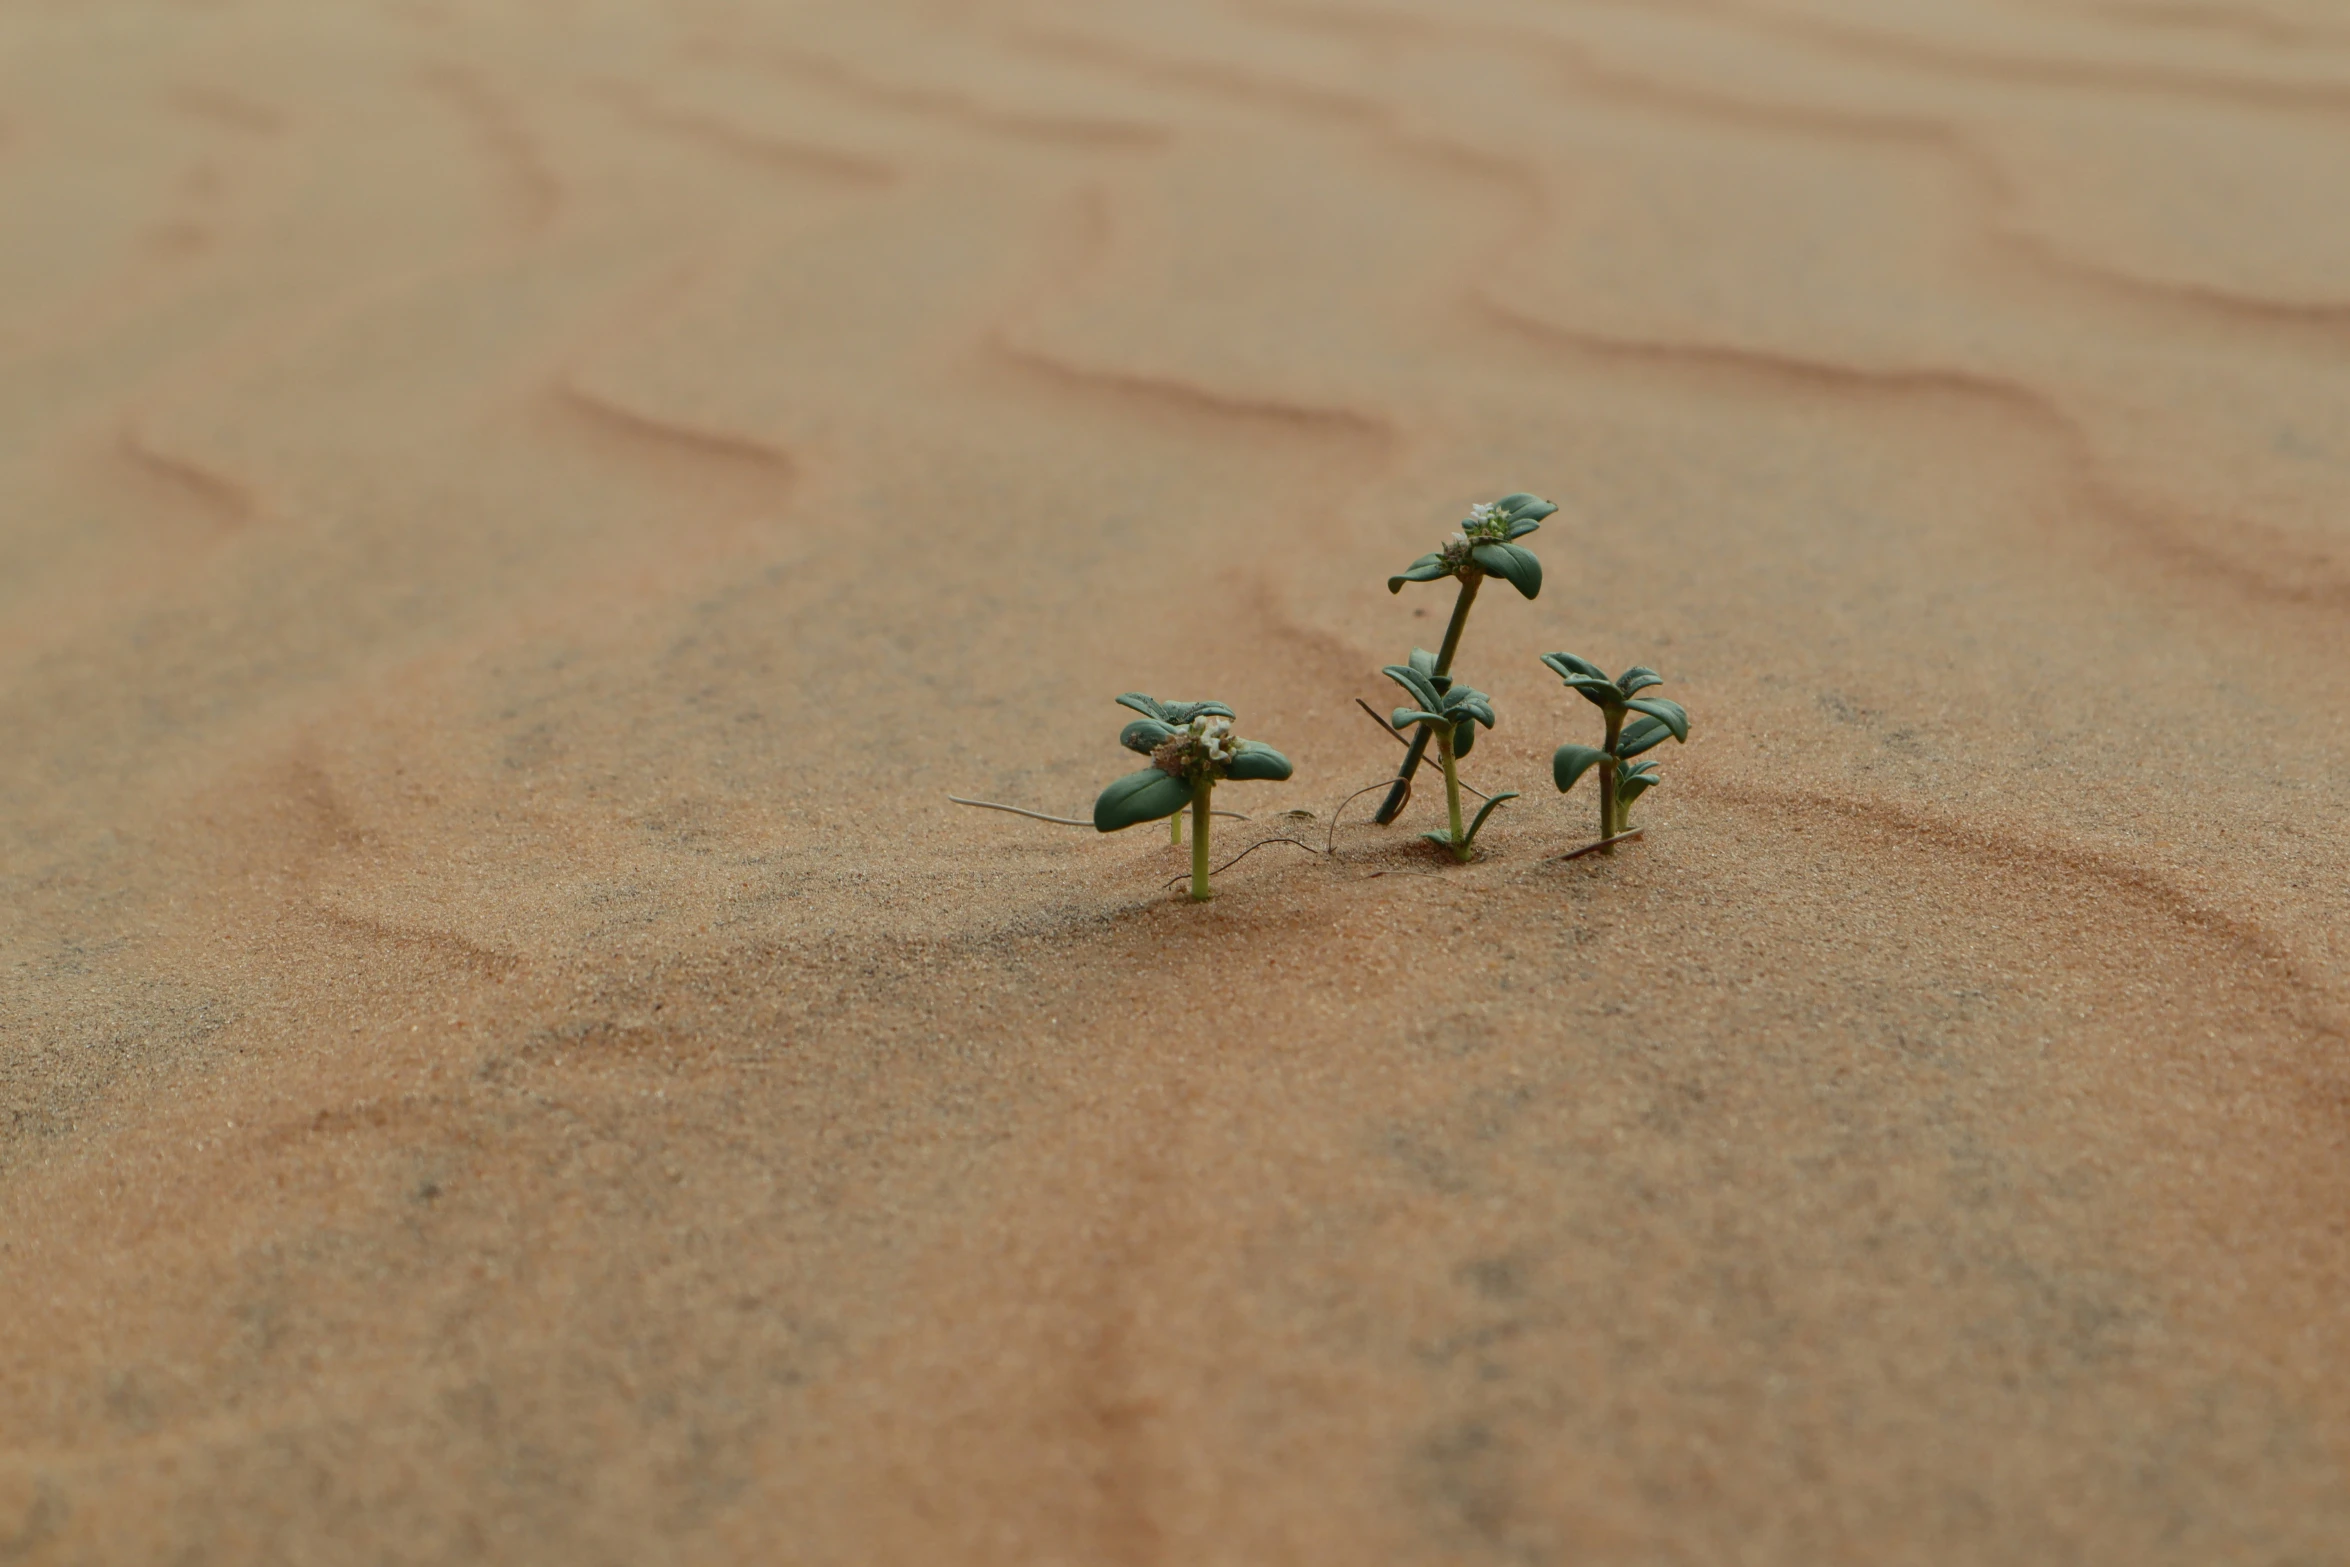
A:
[1484,545]
[1451,713]
[1141,736]
[1173,714]
[1187,761]
[1621,780]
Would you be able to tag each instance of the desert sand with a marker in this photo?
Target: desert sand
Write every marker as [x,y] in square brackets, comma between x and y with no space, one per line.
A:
[518,515]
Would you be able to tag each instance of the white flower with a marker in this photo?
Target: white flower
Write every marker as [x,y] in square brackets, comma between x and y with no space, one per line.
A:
[1459,540]
[1214,736]
[1483,511]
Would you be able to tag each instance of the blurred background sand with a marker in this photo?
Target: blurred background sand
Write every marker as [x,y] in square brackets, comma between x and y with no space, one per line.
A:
[516,516]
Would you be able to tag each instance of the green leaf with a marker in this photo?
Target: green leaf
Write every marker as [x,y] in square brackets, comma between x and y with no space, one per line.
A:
[1421,688]
[1570,762]
[1405,717]
[1181,713]
[1147,796]
[1464,738]
[1507,794]
[1442,838]
[1598,690]
[1524,506]
[1424,661]
[1566,666]
[1512,561]
[1640,735]
[1638,678]
[1671,714]
[1145,735]
[1520,527]
[1253,759]
[1462,703]
[1636,780]
[1147,706]
[1426,569]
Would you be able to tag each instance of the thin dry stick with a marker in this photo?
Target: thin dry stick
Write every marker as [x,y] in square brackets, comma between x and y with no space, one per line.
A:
[1034,816]
[1385,728]
[1244,854]
[1402,782]
[1332,846]
[1594,848]
[1065,821]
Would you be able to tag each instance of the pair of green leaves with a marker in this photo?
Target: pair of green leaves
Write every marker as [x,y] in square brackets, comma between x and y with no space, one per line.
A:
[1176,714]
[1456,709]
[1490,531]
[1633,779]
[1161,720]
[1660,720]
[1155,794]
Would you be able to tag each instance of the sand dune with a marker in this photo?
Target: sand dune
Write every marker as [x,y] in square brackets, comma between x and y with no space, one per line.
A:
[518,516]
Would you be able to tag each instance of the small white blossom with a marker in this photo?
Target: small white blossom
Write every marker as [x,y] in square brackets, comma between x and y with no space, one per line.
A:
[1214,736]
[1483,511]
[1459,540]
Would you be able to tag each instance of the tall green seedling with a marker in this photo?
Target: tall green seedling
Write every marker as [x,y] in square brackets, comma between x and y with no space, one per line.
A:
[1654,720]
[1484,545]
[1188,759]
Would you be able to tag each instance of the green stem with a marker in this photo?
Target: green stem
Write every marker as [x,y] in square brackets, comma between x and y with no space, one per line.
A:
[1470,583]
[1607,780]
[1452,795]
[1390,808]
[1175,828]
[1201,787]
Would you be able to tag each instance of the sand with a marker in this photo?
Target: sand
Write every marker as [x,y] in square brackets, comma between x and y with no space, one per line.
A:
[518,515]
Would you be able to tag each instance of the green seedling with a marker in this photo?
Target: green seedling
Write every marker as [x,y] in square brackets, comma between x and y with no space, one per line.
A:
[1451,713]
[1621,780]
[1174,715]
[1484,545]
[1188,758]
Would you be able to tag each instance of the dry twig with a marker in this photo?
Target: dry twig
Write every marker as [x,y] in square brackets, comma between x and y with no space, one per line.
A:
[1594,848]
[1065,821]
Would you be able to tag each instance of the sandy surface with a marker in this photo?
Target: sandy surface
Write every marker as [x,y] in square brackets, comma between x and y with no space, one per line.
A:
[517,515]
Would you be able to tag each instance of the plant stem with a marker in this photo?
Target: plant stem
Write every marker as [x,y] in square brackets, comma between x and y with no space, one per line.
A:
[1460,618]
[1200,790]
[1607,781]
[1388,809]
[1175,828]
[1452,795]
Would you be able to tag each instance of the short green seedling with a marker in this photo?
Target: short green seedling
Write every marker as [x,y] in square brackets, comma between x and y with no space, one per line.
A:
[1621,780]
[1191,747]
[1484,545]
[1451,713]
